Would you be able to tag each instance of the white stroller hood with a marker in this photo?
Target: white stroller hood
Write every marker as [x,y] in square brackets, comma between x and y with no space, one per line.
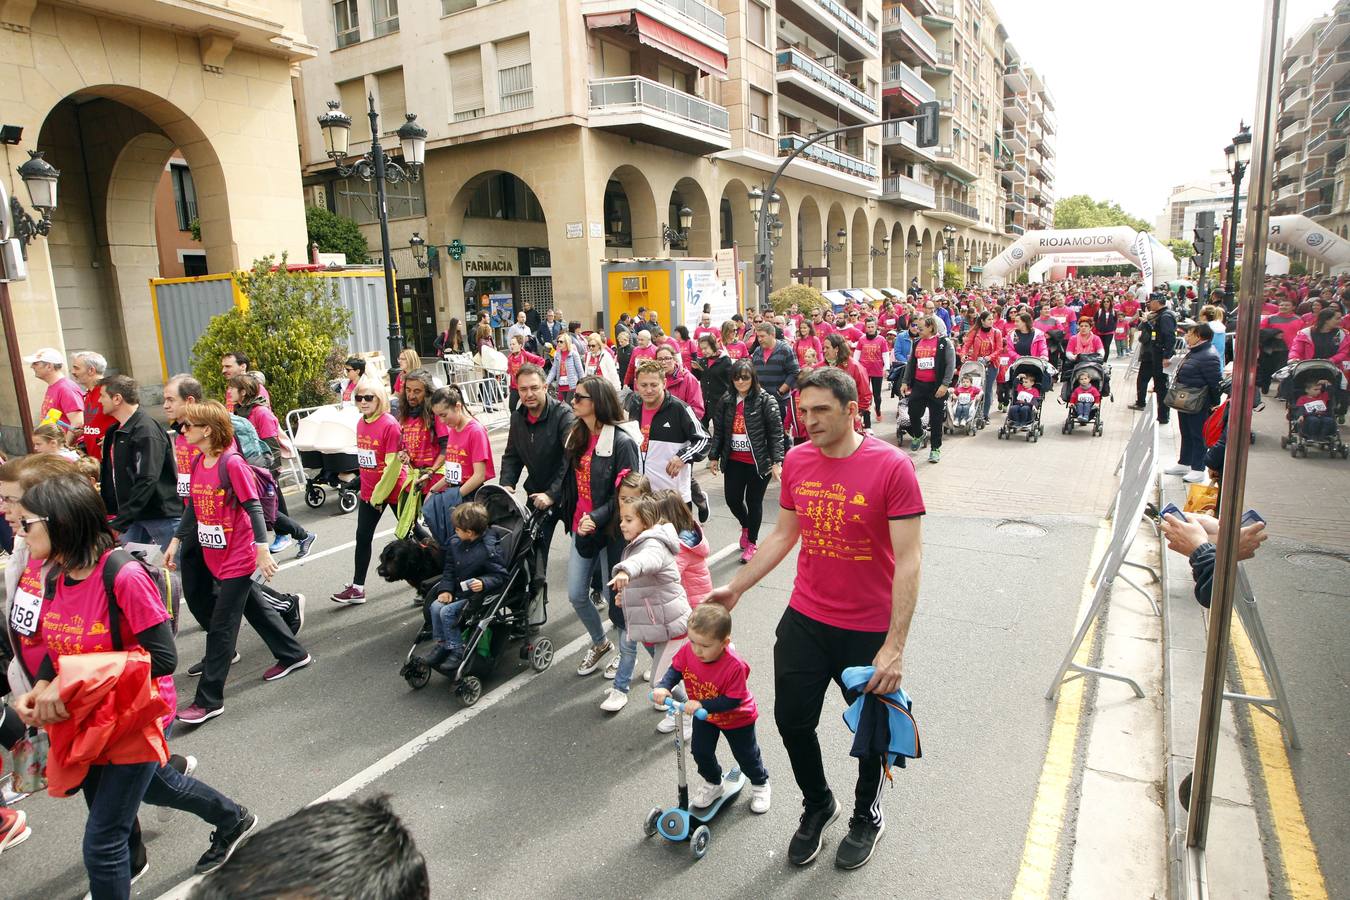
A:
[329,429]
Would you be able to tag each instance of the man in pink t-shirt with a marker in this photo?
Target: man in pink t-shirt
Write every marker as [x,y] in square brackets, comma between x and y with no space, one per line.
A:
[853,503]
[63,394]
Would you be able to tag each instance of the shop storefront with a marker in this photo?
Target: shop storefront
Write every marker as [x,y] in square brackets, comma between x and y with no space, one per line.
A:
[499,280]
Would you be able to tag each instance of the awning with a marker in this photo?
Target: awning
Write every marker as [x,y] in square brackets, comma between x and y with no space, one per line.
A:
[874,294]
[838,299]
[893,294]
[663,38]
[854,294]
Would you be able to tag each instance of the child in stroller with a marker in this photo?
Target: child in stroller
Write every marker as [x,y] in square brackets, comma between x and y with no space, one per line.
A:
[1033,377]
[1312,414]
[1026,399]
[963,404]
[1310,394]
[473,567]
[1083,393]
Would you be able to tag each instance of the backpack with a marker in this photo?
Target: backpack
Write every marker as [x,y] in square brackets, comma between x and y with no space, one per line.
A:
[266,484]
[169,584]
[247,441]
[1215,424]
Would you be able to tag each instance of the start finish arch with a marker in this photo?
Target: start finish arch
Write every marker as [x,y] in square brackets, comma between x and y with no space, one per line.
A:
[1140,248]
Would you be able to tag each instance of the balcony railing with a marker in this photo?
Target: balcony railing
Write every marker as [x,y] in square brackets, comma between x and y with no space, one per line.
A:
[849,21]
[1339,58]
[1014,103]
[945,59]
[905,132]
[906,188]
[898,16]
[1013,228]
[800,62]
[965,210]
[910,80]
[828,156]
[1021,171]
[635,91]
[1315,177]
[701,13]
[187,212]
[944,8]
[1015,200]
[1319,209]
[1329,99]
[1318,140]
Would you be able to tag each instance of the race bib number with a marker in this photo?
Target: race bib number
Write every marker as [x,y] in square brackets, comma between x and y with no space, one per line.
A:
[1060,319]
[564,380]
[211,537]
[184,485]
[1315,406]
[740,443]
[23,615]
[365,458]
[1004,360]
[1120,331]
[1025,397]
[91,431]
[927,362]
[454,473]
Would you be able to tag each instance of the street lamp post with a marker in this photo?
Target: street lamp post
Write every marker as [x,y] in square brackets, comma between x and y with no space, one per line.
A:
[1238,155]
[376,166]
[670,236]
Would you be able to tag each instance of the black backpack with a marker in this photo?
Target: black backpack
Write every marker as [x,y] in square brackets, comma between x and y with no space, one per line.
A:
[169,584]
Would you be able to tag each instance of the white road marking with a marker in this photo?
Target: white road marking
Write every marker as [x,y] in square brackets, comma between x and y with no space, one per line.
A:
[328,552]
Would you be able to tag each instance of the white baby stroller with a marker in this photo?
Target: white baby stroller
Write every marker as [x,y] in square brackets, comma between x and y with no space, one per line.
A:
[326,442]
[966,412]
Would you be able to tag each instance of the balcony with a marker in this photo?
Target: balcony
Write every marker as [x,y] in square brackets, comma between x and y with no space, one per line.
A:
[957,208]
[904,135]
[829,22]
[814,83]
[1042,143]
[909,81]
[1332,68]
[652,112]
[1047,171]
[1015,201]
[1016,78]
[1316,178]
[900,21]
[1317,209]
[828,157]
[1336,30]
[1328,103]
[948,159]
[1015,109]
[1289,190]
[908,192]
[943,13]
[1299,71]
[693,18]
[1296,102]
[1014,229]
[943,62]
[1316,141]
[1293,136]
[1048,121]
[1015,139]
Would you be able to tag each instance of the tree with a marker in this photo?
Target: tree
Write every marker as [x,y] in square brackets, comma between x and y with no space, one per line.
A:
[1181,249]
[806,296]
[290,329]
[952,277]
[336,234]
[1081,211]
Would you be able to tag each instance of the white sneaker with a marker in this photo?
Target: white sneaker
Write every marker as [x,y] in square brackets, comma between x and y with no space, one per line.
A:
[1194,477]
[612,669]
[1178,469]
[667,723]
[647,676]
[704,794]
[614,701]
[759,798]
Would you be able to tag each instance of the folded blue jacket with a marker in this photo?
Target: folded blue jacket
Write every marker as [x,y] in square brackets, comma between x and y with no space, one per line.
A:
[882,724]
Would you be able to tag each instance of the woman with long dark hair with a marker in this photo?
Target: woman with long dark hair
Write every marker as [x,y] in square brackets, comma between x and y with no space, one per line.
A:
[747,446]
[423,445]
[452,339]
[598,451]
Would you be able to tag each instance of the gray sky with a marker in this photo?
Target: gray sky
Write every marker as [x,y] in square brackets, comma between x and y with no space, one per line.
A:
[1100,64]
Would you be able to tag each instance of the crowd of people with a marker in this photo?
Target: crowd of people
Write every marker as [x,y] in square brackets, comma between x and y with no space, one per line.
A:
[606,431]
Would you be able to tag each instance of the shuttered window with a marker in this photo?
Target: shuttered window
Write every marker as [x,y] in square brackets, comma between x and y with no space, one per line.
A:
[759,111]
[392,102]
[466,84]
[515,80]
[352,95]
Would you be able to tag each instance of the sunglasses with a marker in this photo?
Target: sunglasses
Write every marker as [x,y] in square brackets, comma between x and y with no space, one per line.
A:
[741,378]
[577,398]
[364,398]
[27,524]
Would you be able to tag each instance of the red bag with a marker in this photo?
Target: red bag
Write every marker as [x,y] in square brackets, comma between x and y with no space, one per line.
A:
[1214,424]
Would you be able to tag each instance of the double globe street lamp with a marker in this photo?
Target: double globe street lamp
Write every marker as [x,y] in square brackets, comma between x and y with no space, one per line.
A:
[376,165]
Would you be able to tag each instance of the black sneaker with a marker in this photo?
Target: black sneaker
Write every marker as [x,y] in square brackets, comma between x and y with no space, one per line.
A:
[806,843]
[855,850]
[195,670]
[222,845]
[294,616]
[701,504]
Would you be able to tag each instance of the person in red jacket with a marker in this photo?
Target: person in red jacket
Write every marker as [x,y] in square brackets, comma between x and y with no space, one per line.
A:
[1084,398]
[518,357]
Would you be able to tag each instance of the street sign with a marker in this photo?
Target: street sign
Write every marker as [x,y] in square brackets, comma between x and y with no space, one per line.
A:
[816,272]
[726,264]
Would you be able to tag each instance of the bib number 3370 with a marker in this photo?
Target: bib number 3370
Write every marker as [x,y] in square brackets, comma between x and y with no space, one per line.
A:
[211,537]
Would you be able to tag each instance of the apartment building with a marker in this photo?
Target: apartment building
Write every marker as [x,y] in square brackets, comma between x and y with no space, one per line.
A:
[1311,173]
[563,134]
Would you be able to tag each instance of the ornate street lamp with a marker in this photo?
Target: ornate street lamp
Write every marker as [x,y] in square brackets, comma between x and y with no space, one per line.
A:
[419,249]
[1237,154]
[671,236]
[39,177]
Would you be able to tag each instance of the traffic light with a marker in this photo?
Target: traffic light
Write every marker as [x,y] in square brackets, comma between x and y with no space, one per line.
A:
[926,126]
[761,267]
[1204,240]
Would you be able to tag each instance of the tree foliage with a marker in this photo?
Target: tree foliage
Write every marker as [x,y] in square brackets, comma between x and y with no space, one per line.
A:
[336,234]
[291,329]
[805,296]
[1081,211]
[953,279]
[1181,249]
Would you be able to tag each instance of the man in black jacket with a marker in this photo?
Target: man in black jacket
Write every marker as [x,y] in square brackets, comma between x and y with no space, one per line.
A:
[539,428]
[1157,342]
[138,475]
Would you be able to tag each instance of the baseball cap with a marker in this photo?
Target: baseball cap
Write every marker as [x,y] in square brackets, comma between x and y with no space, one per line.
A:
[46,355]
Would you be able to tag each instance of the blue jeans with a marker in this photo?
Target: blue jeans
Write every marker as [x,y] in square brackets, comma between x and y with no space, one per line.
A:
[658,652]
[151,531]
[171,789]
[579,572]
[113,794]
[445,623]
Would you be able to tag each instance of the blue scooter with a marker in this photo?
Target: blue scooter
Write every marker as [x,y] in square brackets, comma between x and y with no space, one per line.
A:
[680,823]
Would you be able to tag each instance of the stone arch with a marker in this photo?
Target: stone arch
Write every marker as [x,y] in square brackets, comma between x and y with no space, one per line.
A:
[699,241]
[808,236]
[927,258]
[641,230]
[735,220]
[899,246]
[837,261]
[880,263]
[860,245]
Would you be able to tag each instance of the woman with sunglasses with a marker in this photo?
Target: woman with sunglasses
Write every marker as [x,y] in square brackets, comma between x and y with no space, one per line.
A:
[599,360]
[225,516]
[378,442]
[748,448]
[598,451]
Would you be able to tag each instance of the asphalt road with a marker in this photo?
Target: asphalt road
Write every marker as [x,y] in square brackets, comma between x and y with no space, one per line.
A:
[539,793]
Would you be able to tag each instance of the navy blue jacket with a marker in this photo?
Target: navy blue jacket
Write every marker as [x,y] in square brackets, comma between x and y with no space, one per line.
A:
[464,560]
[1201,368]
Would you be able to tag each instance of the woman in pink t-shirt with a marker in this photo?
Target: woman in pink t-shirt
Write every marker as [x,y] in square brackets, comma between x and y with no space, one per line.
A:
[241,394]
[224,517]
[423,444]
[378,442]
[732,343]
[468,453]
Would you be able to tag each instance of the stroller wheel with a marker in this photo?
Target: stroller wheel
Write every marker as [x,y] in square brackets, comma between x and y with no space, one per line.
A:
[1065,428]
[649,824]
[541,655]
[347,500]
[1284,442]
[699,840]
[417,673]
[315,496]
[470,689]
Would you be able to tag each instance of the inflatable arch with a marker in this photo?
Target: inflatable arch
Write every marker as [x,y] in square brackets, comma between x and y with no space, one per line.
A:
[1306,236]
[1140,248]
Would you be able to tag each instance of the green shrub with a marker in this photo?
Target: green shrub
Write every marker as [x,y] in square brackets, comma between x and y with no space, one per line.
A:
[805,296]
[294,332]
[953,278]
[336,234]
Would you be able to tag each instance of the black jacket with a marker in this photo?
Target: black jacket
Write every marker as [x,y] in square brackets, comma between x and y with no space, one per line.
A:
[714,377]
[138,475]
[616,451]
[946,350]
[1201,368]
[763,426]
[466,560]
[1158,335]
[538,447]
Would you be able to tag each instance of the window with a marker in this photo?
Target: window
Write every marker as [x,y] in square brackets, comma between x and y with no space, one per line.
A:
[355,199]
[389,91]
[194,264]
[449,7]
[615,61]
[184,196]
[515,82]
[504,196]
[352,95]
[385,16]
[759,111]
[757,23]
[346,22]
[466,84]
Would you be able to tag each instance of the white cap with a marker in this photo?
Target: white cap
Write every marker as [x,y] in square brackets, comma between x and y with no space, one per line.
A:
[47,355]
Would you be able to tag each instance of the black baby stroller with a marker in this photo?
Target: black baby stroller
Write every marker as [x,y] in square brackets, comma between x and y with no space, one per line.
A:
[1100,373]
[1300,376]
[489,621]
[1044,375]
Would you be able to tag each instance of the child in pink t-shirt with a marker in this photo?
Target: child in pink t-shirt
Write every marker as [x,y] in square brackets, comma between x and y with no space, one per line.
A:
[965,400]
[692,558]
[1084,398]
[715,677]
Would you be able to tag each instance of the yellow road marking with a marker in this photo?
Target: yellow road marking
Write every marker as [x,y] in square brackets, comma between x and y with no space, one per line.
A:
[1298,854]
[1037,872]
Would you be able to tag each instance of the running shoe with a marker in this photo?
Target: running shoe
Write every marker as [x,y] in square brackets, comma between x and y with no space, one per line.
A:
[294,616]
[1195,476]
[915,444]
[745,537]
[351,595]
[704,794]
[591,661]
[807,841]
[224,844]
[1178,469]
[598,600]
[667,726]
[855,850]
[749,552]
[196,715]
[14,828]
[614,700]
[701,504]
[281,670]
[195,670]
[760,798]
[306,545]
[934,456]
[281,543]
[612,669]
[183,765]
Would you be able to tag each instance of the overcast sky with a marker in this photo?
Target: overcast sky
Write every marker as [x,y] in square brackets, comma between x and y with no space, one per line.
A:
[1135,114]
